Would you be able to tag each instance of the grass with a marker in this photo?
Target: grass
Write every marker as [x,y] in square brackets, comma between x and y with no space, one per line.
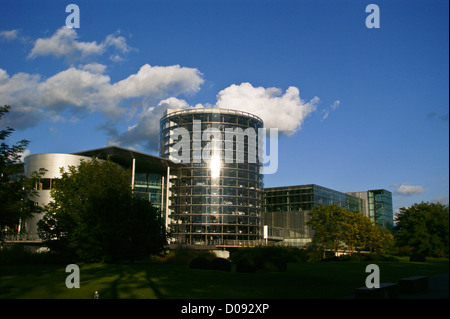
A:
[161,281]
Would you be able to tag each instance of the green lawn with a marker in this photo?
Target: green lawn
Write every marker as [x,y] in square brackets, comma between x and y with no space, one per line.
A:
[302,280]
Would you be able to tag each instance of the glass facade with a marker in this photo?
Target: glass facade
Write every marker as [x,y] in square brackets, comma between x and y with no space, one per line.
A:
[286,210]
[380,207]
[216,200]
[148,186]
[307,197]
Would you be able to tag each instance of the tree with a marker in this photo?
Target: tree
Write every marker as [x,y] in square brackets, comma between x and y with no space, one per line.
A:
[353,229]
[16,191]
[337,228]
[424,228]
[377,238]
[95,217]
[324,220]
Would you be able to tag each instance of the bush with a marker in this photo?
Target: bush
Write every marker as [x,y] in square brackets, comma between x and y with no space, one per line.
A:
[332,258]
[274,265]
[329,256]
[245,265]
[390,258]
[417,258]
[381,257]
[18,255]
[200,262]
[353,257]
[220,264]
[272,258]
[182,256]
[362,257]
[308,255]
[404,250]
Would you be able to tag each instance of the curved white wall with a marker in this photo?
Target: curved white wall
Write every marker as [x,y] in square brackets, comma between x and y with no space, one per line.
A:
[52,163]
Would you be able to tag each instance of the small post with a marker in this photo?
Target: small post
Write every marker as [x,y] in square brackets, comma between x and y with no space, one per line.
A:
[133,168]
[167,197]
[266,233]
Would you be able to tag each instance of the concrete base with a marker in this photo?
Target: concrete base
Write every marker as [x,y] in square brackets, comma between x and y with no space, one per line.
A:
[386,291]
[413,284]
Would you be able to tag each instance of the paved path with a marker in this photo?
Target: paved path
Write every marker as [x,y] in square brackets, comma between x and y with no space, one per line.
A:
[437,289]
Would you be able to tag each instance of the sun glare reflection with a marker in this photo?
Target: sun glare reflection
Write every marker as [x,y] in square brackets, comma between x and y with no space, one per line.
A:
[215,166]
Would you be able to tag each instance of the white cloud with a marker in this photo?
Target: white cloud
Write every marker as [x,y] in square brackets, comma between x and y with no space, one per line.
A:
[88,89]
[285,111]
[146,130]
[159,79]
[64,43]
[9,34]
[81,90]
[333,107]
[408,190]
[94,67]
[20,91]
[118,42]
[441,199]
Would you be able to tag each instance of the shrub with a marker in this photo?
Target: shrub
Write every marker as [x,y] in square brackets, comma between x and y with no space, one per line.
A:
[182,256]
[268,257]
[390,258]
[241,253]
[17,255]
[404,250]
[331,258]
[200,262]
[381,257]
[274,265]
[220,264]
[245,265]
[352,257]
[417,258]
[376,257]
[309,255]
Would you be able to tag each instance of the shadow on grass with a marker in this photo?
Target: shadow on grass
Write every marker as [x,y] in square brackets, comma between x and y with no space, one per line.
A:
[162,281]
[27,281]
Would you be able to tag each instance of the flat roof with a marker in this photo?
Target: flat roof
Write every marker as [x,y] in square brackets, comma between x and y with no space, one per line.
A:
[297,187]
[144,162]
[172,112]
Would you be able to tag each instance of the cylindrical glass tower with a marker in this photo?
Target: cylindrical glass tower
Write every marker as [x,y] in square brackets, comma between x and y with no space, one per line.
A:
[216,198]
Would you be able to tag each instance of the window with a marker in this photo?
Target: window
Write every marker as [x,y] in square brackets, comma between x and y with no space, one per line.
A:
[44,184]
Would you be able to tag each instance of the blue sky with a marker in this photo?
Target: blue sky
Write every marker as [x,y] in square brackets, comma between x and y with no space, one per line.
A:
[356,108]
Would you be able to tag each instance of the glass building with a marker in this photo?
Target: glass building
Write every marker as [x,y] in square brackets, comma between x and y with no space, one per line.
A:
[286,210]
[149,187]
[148,173]
[208,184]
[307,197]
[215,199]
[378,208]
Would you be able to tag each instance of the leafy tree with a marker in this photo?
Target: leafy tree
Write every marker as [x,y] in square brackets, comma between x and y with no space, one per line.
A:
[337,228]
[16,191]
[354,229]
[95,217]
[425,228]
[327,227]
[378,238]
